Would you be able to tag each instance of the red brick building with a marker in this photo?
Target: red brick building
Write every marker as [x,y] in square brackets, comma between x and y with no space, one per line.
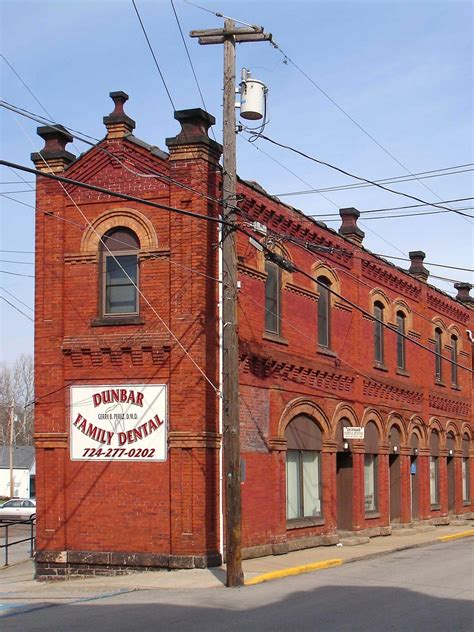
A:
[139,486]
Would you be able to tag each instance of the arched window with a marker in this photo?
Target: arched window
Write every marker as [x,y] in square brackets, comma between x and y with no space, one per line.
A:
[466,491]
[439,355]
[454,360]
[303,468]
[378,332]
[324,312]
[371,438]
[119,272]
[401,357]
[434,469]
[272,298]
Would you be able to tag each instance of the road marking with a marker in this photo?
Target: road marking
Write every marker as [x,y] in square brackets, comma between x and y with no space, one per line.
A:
[294,570]
[457,536]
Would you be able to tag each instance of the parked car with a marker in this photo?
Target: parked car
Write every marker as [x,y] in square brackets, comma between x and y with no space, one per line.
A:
[18,509]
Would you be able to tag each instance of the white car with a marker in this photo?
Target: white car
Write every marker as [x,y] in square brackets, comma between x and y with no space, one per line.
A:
[18,509]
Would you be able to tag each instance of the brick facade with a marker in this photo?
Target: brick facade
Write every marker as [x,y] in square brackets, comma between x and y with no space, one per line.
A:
[98,517]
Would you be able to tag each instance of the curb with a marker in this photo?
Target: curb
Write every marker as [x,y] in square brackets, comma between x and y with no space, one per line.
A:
[294,570]
[316,566]
[457,536]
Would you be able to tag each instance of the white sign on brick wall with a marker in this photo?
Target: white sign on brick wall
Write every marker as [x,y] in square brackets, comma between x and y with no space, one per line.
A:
[118,423]
[353,432]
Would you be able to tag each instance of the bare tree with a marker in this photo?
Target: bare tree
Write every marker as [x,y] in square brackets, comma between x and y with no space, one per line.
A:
[16,382]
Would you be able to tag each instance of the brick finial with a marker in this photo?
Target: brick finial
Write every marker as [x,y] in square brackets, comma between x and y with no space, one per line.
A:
[349,226]
[193,138]
[463,289]
[118,124]
[417,269]
[54,156]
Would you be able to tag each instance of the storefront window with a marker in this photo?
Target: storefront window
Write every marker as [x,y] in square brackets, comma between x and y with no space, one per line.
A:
[371,491]
[303,469]
[434,476]
[465,479]
[370,482]
[434,468]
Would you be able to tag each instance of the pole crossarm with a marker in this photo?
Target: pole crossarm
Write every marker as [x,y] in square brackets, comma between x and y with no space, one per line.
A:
[238,35]
[245,30]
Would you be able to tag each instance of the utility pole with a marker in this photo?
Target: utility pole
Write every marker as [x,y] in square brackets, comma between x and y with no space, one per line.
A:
[12,434]
[228,36]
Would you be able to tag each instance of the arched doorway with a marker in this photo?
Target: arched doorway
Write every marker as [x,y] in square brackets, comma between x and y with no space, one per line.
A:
[344,478]
[450,447]
[414,478]
[395,475]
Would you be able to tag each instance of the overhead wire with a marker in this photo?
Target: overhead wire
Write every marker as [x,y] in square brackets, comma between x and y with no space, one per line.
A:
[16,298]
[191,63]
[138,290]
[17,309]
[347,115]
[351,175]
[435,173]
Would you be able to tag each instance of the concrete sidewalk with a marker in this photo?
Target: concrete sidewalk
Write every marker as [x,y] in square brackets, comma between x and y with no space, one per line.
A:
[18,586]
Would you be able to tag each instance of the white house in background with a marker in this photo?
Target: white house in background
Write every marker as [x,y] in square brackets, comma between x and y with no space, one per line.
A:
[24,470]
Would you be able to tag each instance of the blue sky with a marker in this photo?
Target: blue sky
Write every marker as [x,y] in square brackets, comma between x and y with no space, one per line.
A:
[402,70]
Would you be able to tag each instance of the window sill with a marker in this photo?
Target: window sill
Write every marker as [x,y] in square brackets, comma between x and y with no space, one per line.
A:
[268,335]
[326,352]
[402,372]
[435,507]
[116,321]
[301,523]
[372,515]
[380,367]
[438,383]
[466,503]
[455,387]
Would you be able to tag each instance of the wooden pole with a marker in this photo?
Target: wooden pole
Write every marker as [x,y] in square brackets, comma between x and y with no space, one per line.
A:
[228,36]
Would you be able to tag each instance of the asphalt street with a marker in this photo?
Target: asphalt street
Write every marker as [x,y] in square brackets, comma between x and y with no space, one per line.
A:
[423,589]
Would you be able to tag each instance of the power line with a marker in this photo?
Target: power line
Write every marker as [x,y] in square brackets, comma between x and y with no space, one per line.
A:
[396,208]
[17,309]
[153,54]
[28,263]
[30,276]
[351,175]
[427,263]
[323,219]
[17,299]
[191,63]
[20,252]
[122,196]
[436,173]
[80,136]
[346,114]
[289,265]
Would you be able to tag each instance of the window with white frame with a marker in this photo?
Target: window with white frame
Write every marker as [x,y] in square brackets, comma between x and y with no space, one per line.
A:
[303,469]
[119,273]
[371,440]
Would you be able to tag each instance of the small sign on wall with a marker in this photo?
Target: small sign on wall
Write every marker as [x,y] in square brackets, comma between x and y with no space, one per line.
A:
[353,432]
[119,423]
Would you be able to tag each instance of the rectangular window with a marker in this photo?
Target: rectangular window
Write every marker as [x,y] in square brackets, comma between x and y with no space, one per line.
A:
[454,359]
[293,488]
[323,314]
[400,341]
[303,485]
[378,334]
[272,298]
[465,480]
[370,482]
[438,356]
[434,480]
[120,284]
